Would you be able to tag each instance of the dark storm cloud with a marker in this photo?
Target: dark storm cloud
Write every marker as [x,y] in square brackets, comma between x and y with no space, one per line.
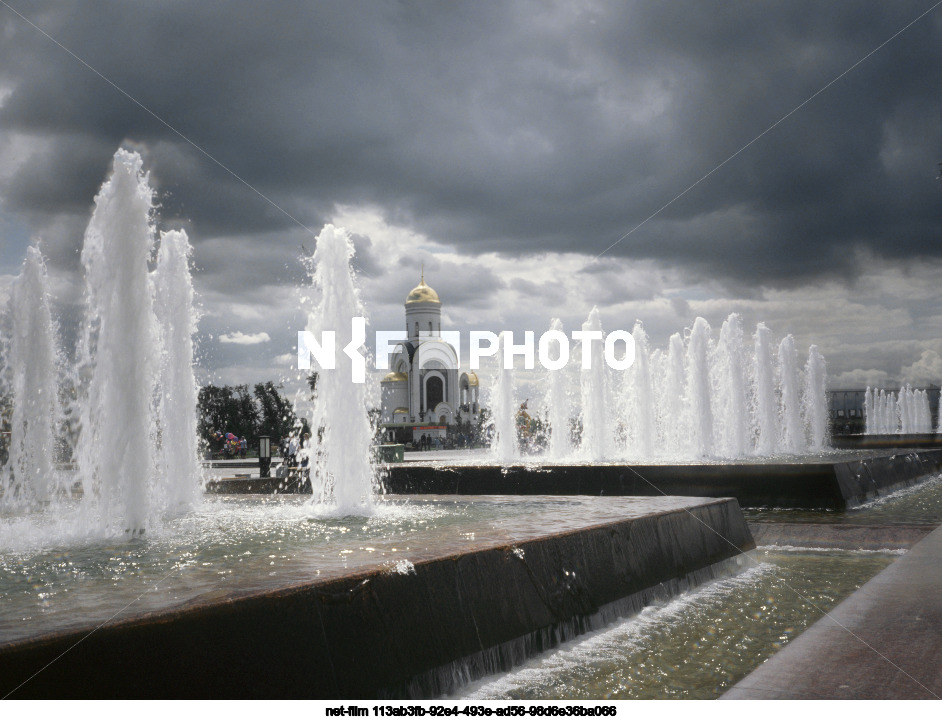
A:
[519,127]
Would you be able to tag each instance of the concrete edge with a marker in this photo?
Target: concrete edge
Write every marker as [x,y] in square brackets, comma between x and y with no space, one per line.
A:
[381,634]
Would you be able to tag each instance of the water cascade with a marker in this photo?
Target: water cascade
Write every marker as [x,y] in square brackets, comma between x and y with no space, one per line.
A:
[30,477]
[342,473]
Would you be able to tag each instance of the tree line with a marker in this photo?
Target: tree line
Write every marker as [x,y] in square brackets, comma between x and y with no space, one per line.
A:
[262,411]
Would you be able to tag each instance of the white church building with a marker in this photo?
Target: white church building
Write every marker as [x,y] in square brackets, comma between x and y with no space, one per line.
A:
[425,391]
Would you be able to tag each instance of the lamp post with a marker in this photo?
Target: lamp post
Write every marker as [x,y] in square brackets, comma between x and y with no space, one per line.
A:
[264,457]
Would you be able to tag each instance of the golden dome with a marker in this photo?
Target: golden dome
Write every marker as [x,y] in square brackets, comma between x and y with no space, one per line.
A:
[401,410]
[472,378]
[395,377]
[422,293]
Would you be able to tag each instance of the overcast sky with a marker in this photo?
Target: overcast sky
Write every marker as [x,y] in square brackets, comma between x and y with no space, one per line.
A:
[508,146]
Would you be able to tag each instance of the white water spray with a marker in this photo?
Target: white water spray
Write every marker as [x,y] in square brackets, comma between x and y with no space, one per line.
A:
[596,429]
[342,473]
[815,412]
[792,436]
[505,446]
[30,476]
[641,429]
[119,352]
[558,411]
[730,382]
[179,465]
[766,414]
[698,388]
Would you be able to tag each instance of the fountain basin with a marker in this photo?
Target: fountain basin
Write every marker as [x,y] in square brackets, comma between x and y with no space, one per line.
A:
[417,628]
[820,482]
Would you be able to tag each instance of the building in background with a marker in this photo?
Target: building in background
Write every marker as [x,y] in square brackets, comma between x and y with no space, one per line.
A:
[425,392]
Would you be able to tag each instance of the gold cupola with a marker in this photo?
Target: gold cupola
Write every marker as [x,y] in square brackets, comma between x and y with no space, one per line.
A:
[422,293]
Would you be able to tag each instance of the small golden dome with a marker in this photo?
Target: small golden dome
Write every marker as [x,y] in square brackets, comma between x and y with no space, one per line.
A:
[401,410]
[472,378]
[422,293]
[395,377]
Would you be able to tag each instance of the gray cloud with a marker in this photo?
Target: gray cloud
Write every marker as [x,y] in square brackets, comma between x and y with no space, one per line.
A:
[517,128]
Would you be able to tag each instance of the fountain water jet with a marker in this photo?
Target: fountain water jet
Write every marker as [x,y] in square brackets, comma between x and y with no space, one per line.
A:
[731,385]
[558,403]
[640,413]
[814,410]
[342,472]
[505,444]
[698,388]
[904,412]
[179,465]
[31,477]
[765,414]
[792,435]
[119,353]
[700,399]
[596,428]
[673,420]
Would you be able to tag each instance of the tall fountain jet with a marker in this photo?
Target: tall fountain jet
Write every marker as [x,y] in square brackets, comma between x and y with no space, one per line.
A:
[30,477]
[698,388]
[640,415]
[597,436]
[179,465]
[765,412]
[136,450]
[731,385]
[674,425]
[814,406]
[506,446]
[792,430]
[119,354]
[558,400]
[342,474]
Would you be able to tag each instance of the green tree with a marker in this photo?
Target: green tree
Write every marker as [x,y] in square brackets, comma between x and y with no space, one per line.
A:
[276,414]
[226,409]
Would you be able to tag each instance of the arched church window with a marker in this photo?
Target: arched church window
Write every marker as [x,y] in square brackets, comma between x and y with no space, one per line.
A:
[417,329]
[435,392]
[430,327]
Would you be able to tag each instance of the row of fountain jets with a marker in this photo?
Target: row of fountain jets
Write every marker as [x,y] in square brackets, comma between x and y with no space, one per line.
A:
[905,412]
[132,391]
[700,399]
